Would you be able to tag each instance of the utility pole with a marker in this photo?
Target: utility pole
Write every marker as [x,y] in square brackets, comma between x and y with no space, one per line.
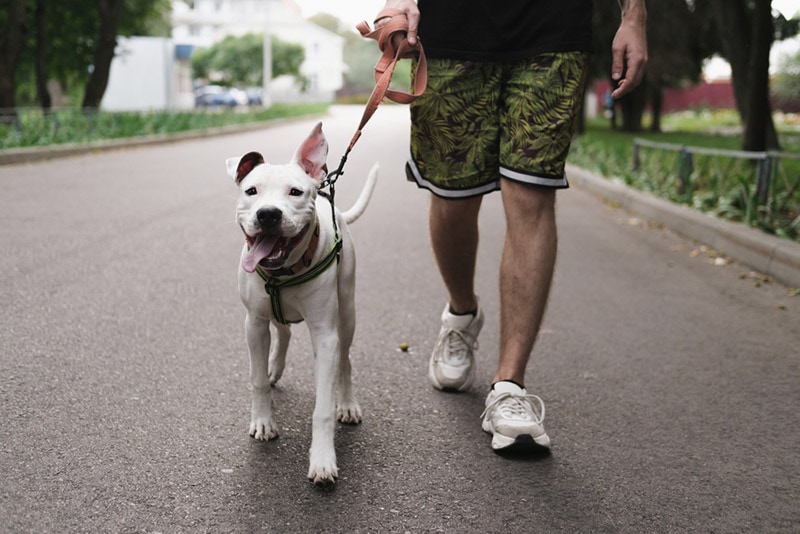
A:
[266,100]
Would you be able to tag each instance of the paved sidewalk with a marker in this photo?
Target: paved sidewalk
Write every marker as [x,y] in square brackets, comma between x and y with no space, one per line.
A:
[767,254]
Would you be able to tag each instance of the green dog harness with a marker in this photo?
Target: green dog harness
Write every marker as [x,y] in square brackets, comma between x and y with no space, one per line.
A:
[274,285]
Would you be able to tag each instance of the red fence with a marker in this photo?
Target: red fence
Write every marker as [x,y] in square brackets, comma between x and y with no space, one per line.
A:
[710,95]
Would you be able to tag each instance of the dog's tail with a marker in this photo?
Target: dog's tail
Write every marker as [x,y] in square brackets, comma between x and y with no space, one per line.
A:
[358,208]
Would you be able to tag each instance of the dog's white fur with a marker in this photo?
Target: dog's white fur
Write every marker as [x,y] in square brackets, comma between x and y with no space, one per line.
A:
[326,303]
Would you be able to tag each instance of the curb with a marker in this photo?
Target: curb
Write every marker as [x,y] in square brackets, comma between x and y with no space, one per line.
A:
[775,257]
[25,155]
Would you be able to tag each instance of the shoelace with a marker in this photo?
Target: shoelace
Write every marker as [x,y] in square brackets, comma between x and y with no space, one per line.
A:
[517,408]
[456,342]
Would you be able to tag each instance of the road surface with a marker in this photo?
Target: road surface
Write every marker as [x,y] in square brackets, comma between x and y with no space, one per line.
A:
[671,378]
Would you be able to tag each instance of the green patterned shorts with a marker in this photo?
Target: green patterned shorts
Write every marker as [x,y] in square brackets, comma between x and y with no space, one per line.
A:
[480,121]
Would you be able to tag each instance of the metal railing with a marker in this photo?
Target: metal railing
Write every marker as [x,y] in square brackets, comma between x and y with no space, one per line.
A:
[760,186]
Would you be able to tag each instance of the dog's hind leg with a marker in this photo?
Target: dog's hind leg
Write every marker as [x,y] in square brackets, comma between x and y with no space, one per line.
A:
[277,352]
[347,408]
[262,424]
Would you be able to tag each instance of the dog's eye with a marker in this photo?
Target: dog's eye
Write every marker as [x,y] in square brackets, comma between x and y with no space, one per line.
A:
[250,191]
[295,192]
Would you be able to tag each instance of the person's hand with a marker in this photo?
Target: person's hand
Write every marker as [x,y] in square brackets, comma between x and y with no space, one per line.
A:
[409,7]
[629,51]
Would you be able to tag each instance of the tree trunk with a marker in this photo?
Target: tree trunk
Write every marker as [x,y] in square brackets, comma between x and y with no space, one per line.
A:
[759,129]
[745,45]
[110,13]
[656,103]
[41,56]
[632,106]
[12,39]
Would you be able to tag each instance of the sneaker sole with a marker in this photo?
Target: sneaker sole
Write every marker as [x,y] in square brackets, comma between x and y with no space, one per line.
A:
[500,442]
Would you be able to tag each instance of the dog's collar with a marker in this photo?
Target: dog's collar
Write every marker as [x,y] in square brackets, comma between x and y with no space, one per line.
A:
[274,285]
[303,263]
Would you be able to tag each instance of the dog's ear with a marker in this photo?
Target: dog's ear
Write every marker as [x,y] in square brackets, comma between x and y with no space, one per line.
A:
[312,154]
[238,168]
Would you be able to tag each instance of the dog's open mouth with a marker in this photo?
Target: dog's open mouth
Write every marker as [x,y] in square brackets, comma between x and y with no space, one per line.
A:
[269,251]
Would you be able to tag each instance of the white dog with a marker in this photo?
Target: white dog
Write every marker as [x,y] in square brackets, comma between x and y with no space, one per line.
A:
[298,265]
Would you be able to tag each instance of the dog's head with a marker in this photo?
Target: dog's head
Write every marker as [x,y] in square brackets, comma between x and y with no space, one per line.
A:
[276,205]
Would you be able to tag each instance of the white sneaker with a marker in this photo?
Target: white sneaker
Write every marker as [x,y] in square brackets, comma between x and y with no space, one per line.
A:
[452,365]
[513,416]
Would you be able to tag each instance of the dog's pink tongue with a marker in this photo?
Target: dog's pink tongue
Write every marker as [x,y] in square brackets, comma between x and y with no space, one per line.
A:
[260,250]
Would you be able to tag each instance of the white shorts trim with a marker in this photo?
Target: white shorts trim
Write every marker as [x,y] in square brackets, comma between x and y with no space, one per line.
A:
[415,176]
[558,183]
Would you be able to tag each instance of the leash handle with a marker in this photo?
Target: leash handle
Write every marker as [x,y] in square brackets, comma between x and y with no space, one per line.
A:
[392,41]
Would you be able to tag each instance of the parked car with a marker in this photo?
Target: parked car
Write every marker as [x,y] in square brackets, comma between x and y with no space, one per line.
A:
[254,97]
[214,96]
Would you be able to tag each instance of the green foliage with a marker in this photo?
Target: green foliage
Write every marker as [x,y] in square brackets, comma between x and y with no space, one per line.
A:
[75,126]
[721,185]
[71,29]
[329,22]
[786,83]
[240,61]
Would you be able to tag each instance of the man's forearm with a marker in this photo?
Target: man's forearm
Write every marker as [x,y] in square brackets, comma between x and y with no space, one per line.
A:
[634,10]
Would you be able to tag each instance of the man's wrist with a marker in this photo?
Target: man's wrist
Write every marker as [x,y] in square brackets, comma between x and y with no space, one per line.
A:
[633,10]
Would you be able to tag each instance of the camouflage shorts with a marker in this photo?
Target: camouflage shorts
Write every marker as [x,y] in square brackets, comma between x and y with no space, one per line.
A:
[479,121]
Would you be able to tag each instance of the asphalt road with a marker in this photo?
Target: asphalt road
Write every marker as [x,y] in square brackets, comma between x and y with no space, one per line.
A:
[672,384]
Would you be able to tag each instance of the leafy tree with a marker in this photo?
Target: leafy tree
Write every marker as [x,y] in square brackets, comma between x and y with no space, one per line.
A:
[110,14]
[747,30]
[65,37]
[240,60]
[679,38]
[682,35]
[12,37]
[139,16]
[786,83]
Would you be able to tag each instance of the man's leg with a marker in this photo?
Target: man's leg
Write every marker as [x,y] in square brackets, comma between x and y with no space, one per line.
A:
[526,271]
[513,415]
[454,237]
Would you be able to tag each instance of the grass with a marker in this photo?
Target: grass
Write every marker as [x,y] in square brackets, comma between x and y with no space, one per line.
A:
[723,185]
[35,128]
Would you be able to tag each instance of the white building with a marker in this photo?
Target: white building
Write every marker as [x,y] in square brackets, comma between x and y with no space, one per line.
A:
[151,73]
[201,23]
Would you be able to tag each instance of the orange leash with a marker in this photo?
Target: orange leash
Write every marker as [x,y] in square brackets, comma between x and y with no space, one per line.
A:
[393,43]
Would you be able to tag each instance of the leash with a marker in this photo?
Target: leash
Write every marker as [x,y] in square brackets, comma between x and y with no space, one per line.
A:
[392,41]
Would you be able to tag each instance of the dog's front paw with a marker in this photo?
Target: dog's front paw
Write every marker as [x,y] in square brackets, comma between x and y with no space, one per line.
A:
[263,429]
[349,413]
[323,475]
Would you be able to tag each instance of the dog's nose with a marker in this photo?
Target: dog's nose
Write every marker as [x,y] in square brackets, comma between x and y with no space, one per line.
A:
[268,217]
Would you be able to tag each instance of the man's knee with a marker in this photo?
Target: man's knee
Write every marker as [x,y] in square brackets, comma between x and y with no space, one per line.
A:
[455,209]
[526,200]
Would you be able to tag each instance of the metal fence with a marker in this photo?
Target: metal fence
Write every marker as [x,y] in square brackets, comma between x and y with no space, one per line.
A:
[760,188]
